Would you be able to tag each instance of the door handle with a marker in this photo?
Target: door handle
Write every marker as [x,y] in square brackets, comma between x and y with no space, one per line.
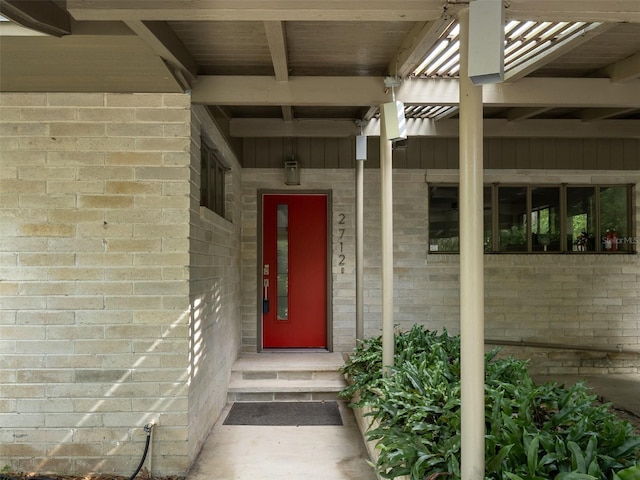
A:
[265,297]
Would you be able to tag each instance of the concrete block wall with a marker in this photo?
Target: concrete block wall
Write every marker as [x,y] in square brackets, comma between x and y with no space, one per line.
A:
[214,289]
[95,200]
[589,301]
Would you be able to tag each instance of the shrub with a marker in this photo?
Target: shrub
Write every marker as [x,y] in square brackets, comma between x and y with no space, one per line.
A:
[533,432]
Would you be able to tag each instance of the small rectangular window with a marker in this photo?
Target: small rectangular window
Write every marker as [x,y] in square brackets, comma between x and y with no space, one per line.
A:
[444,235]
[545,219]
[512,219]
[614,219]
[212,181]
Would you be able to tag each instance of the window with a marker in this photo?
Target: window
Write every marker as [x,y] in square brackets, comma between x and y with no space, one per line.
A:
[212,180]
[536,219]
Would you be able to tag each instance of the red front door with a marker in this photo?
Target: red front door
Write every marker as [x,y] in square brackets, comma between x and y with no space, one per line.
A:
[294,271]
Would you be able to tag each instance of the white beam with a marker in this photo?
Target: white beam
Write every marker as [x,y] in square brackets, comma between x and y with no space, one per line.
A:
[574,10]
[557,50]
[287,113]
[517,114]
[258,10]
[417,44]
[624,70]
[593,114]
[39,15]
[163,40]
[367,91]
[422,127]
[277,41]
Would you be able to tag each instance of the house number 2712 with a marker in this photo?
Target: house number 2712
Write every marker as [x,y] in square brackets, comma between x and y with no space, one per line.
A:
[341,229]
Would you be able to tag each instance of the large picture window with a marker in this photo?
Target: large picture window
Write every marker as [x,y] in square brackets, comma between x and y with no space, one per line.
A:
[538,219]
[212,181]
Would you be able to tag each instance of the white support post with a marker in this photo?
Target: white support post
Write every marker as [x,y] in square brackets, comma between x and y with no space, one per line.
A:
[386,179]
[471,267]
[359,250]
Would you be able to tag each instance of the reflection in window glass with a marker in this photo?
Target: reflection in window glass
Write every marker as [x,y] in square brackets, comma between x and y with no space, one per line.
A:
[283,262]
[444,233]
[581,219]
[488,223]
[512,219]
[613,219]
[545,219]
[534,219]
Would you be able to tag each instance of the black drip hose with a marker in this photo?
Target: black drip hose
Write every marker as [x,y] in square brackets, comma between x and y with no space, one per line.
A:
[147,428]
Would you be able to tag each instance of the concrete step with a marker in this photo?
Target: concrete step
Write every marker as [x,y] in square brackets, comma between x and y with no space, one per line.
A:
[286,377]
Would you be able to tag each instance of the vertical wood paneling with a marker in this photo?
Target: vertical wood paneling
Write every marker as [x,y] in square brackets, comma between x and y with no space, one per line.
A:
[493,156]
[399,157]
[346,152]
[602,153]
[443,153]
[550,154]
[331,159]
[590,157]
[317,153]
[440,153]
[303,152]
[509,157]
[523,152]
[249,152]
[631,154]
[426,153]
[413,154]
[536,153]
[485,154]
[577,155]
[262,153]
[373,153]
[276,153]
[616,156]
[453,153]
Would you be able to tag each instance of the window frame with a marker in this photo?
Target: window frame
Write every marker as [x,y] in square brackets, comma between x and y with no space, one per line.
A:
[629,238]
[212,180]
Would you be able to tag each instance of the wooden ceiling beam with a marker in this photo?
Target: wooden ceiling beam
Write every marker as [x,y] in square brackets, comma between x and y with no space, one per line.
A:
[574,10]
[624,70]
[40,15]
[518,114]
[277,40]
[258,10]
[163,40]
[368,91]
[416,46]
[595,114]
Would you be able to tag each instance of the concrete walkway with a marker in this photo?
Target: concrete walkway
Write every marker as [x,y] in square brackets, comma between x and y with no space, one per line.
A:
[338,452]
[240,452]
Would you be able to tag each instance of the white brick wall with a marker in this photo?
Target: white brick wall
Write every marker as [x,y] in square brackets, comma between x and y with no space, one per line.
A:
[94,247]
[590,300]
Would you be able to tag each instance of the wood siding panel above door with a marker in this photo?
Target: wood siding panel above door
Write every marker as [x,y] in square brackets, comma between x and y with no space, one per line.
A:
[443,153]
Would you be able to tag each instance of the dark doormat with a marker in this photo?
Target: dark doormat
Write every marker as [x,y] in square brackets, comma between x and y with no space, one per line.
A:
[284,413]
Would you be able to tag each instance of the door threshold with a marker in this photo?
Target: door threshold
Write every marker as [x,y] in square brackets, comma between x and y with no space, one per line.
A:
[294,350]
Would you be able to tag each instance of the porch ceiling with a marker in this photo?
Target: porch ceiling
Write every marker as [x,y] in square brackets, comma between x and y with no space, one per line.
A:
[313,67]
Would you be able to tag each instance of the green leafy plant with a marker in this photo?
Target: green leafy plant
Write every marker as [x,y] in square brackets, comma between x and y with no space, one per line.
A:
[533,432]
